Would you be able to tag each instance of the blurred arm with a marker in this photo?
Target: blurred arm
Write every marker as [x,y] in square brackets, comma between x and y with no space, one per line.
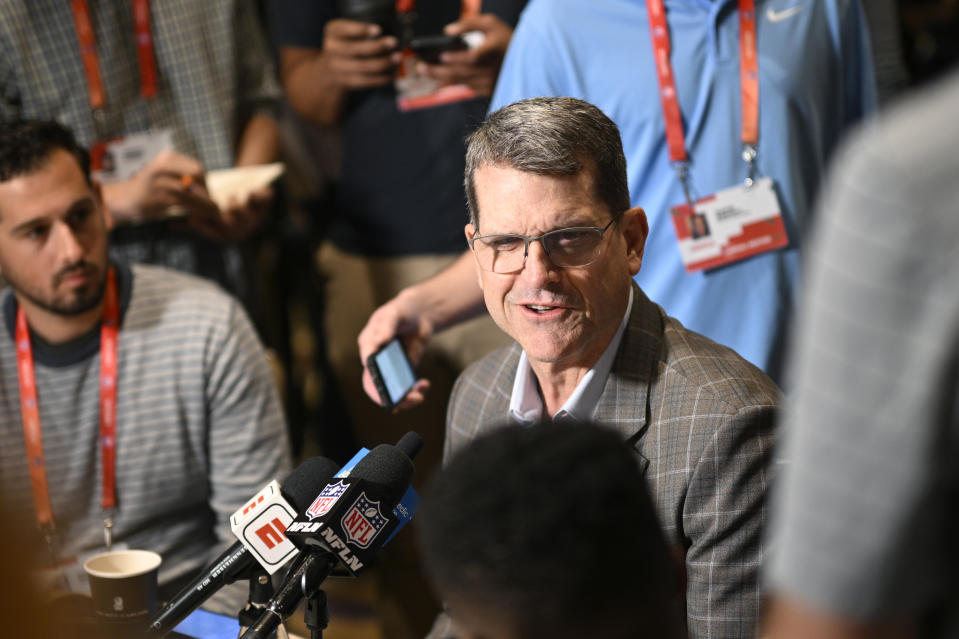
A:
[354,56]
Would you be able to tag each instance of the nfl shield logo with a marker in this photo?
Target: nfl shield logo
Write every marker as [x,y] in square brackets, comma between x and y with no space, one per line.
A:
[363,521]
[327,497]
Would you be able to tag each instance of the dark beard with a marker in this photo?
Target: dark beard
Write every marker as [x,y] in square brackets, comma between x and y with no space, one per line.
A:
[81,304]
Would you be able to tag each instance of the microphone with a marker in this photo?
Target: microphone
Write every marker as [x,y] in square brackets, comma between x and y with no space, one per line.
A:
[262,523]
[410,444]
[345,525]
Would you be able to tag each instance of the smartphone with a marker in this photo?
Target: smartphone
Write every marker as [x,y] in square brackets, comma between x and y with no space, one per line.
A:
[429,47]
[392,373]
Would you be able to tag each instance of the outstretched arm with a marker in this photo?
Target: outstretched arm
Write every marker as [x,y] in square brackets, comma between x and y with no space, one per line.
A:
[416,313]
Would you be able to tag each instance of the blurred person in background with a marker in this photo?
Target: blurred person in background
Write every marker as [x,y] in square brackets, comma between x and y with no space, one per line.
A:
[865,517]
[160,93]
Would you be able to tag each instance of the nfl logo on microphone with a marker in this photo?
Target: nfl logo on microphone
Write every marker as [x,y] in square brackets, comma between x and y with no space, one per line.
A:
[363,521]
[327,497]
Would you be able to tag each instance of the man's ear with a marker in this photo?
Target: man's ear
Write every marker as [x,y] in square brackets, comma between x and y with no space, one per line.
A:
[107,215]
[635,230]
[470,231]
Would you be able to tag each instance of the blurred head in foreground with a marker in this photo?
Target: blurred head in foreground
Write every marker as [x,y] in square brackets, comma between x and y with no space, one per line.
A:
[548,531]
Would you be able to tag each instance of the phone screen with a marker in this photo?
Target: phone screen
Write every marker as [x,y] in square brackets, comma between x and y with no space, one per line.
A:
[395,370]
[203,624]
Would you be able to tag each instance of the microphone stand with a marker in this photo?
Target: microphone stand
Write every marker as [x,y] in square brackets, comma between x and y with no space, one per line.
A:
[303,580]
[261,590]
[317,614]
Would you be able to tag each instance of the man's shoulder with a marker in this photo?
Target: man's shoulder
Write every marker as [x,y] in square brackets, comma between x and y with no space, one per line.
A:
[159,284]
[709,369]
[908,159]
[480,397]
[169,302]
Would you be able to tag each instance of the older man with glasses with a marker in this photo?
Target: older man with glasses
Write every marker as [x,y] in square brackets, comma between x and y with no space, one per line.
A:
[556,245]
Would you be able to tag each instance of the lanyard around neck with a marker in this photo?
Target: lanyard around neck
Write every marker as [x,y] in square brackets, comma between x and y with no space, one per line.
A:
[748,77]
[469,9]
[91,61]
[30,409]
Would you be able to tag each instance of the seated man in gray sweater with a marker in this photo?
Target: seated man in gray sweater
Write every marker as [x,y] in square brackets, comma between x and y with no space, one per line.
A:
[133,399]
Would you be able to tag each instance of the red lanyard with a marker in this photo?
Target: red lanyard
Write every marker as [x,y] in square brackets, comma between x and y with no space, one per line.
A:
[30,410]
[91,61]
[471,8]
[749,80]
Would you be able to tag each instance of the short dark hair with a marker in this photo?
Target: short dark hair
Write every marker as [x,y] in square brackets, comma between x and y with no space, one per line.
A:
[552,525]
[550,136]
[26,144]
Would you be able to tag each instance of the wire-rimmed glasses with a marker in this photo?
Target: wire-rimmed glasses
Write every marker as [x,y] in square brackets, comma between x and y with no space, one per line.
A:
[566,248]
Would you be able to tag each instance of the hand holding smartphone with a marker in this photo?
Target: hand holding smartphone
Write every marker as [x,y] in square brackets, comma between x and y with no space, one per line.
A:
[429,47]
[392,373]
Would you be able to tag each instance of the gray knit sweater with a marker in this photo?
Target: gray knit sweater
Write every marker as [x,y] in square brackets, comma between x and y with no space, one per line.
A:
[199,424]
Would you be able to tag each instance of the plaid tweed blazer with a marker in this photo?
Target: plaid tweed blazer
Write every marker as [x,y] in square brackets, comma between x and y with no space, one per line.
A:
[700,418]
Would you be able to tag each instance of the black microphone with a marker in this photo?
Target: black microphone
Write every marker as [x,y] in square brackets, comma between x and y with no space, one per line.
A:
[346,524]
[238,562]
[410,444]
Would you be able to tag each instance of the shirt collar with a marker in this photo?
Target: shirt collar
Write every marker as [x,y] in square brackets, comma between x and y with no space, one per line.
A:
[526,403]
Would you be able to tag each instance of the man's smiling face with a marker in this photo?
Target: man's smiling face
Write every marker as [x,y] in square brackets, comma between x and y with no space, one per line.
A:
[560,316]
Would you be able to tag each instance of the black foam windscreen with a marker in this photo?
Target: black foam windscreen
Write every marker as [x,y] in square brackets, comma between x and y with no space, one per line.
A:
[410,444]
[389,468]
[306,481]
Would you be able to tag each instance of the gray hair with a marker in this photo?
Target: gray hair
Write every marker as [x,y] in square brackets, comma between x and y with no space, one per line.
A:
[550,136]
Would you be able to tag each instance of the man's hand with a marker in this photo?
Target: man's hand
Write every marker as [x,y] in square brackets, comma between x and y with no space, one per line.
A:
[357,56]
[160,186]
[478,67]
[401,316]
[172,186]
[242,218]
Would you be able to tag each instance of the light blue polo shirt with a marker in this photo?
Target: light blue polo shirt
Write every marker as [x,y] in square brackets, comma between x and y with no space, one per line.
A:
[816,79]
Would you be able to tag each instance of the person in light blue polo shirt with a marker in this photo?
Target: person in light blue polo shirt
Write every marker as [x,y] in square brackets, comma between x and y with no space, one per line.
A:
[815,81]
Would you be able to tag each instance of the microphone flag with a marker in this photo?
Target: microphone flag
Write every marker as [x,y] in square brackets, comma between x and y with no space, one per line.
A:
[261,525]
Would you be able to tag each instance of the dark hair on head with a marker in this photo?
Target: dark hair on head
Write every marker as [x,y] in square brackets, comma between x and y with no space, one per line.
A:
[552,527]
[26,144]
[550,136]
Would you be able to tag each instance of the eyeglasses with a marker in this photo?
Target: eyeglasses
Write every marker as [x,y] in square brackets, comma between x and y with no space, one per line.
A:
[566,248]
